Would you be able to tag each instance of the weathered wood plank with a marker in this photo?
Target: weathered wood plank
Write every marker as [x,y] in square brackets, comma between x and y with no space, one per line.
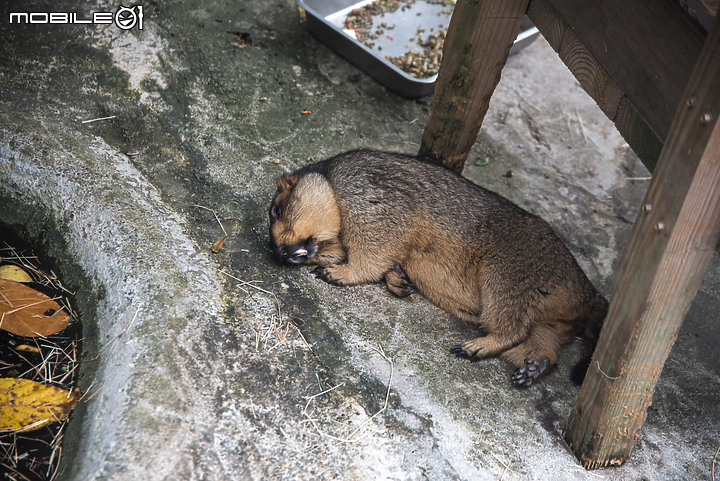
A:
[660,272]
[596,81]
[478,42]
[647,47]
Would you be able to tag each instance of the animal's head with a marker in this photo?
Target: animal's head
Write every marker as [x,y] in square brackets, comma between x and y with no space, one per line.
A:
[304,218]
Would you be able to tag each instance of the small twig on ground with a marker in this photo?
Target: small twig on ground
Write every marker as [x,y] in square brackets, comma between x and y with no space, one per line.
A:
[349,437]
[401,118]
[55,456]
[527,102]
[310,398]
[380,351]
[276,319]
[567,122]
[216,217]
[8,303]
[307,344]
[25,306]
[506,466]
[582,127]
[88,389]
[118,336]
[98,119]
[248,284]
[292,441]
[713,463]
[93,394]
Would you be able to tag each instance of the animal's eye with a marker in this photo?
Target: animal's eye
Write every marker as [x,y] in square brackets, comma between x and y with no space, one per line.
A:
[276,212]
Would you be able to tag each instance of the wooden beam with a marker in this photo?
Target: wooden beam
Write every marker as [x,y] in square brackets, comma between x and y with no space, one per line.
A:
[661,269]
[643,50]
[476,48]
[596,81]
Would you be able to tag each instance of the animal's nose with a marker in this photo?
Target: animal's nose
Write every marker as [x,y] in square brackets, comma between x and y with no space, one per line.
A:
[281,252]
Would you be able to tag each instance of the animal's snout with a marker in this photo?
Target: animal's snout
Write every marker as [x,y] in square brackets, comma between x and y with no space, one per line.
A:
[296,253]
[281,253]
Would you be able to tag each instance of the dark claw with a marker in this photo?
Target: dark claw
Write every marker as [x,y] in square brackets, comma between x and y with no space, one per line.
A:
[405,289]
[525,376]
[401,273]
[459,351]
[322,273]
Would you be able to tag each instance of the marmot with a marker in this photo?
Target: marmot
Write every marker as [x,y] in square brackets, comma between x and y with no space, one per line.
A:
[365,215]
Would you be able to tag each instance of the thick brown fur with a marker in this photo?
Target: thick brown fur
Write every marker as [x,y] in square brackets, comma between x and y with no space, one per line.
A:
[365,216]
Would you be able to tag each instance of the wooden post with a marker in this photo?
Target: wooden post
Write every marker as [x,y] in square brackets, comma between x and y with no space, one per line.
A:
[476,48]
[661,269]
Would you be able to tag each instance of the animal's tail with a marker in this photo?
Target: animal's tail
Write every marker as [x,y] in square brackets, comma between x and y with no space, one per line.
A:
[598,311]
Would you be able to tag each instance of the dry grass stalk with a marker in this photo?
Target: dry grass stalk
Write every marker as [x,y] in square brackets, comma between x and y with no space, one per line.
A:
[216,217]
[277,326]
[352,437]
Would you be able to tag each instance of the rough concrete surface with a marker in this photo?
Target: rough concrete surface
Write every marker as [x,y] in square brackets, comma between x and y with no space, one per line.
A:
[211,379]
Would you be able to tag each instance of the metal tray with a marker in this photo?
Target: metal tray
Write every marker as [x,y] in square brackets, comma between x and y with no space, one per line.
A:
[325,20]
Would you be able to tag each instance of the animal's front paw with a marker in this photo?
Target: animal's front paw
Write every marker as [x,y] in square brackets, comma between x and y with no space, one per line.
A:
[531,372]
[474,349]
[459,351]
[326,274]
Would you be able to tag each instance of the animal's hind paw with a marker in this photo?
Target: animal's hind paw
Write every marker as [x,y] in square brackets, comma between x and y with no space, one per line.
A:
[531,372]
[398,282]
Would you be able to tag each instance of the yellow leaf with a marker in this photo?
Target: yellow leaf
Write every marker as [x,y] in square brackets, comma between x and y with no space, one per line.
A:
[27,312]
[27,405]
[14,273]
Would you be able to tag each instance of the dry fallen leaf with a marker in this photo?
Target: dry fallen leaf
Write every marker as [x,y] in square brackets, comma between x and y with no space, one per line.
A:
[14,273]
[27,312]
[218,244]
[27,405]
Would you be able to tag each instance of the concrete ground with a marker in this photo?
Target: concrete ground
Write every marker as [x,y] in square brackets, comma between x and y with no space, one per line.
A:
[211,379]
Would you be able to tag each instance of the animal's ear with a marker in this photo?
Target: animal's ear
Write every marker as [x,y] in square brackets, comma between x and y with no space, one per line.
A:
[287,182]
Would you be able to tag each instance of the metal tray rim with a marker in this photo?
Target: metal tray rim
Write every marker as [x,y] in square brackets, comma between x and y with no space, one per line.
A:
[385,72]
[428,80]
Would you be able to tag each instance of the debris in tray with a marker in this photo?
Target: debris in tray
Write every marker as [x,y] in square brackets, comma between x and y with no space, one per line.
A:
[426,63]
[367,26]
[361,19]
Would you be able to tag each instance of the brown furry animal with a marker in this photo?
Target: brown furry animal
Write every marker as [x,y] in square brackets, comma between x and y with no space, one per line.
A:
[364,216]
